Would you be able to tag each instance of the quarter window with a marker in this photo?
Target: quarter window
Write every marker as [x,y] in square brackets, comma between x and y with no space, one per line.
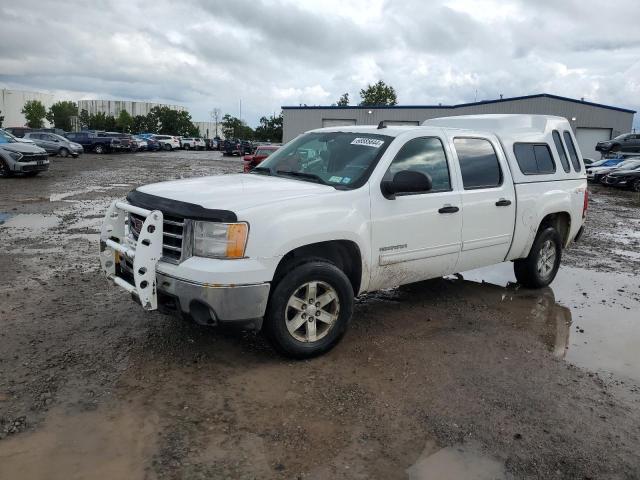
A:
[562,153]
[534,158]
[478,163]
[572,151]
[425,155]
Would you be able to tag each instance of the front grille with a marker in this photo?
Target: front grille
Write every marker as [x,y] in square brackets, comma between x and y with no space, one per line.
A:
[173,232]
[34,157]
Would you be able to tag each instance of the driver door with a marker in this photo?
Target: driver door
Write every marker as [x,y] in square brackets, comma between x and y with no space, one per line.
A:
[416,236]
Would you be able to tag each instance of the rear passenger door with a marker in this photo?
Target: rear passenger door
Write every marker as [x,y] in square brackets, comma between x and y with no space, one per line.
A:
[488,201]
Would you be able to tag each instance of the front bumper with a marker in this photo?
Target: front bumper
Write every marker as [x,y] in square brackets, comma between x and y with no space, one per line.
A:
[36,166]
[133,265]
[211,303]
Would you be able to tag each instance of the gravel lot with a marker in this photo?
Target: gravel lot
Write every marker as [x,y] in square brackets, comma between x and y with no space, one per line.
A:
[432,379]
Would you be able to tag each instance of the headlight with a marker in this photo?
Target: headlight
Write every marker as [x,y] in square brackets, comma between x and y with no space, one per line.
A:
[15,155]
[219,240]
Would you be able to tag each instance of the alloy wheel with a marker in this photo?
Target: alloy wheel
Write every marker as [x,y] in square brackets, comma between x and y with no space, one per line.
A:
[312,311]
[546,259]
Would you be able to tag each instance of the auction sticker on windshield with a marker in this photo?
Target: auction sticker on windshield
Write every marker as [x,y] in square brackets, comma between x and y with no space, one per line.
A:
[369,142]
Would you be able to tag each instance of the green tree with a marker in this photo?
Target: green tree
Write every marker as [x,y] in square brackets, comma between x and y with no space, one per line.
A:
[34,112]
[172,122]
[84,118]
[124,121]
[270,129]
[60,113]
[233,127]
[344,100]
[378,94]
[143,124]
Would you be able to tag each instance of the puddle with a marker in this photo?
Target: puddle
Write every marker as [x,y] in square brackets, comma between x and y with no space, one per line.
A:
[4,217]
[589,318]
[31,223]
[460,462]
[96,445]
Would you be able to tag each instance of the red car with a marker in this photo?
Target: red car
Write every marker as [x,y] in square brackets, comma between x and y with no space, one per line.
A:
[262,152]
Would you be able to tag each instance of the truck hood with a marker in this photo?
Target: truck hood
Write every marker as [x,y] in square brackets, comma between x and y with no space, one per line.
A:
[235,192]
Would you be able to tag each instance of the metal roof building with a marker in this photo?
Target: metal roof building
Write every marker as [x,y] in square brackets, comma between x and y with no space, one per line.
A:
[591,122]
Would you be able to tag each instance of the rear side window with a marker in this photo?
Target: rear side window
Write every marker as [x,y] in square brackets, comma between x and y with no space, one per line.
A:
[534,158]
[425,155]
[562,153]
[478,163]
[572,151]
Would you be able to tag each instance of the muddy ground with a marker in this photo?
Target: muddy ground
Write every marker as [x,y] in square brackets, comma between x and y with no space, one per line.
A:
[451,378]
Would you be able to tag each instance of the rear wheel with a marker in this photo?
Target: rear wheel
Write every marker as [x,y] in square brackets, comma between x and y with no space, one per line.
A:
[541,266]
[309,310]
[63,152]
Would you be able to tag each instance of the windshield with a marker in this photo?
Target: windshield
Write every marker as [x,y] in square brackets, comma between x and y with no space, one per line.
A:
[342,159]
[6,137]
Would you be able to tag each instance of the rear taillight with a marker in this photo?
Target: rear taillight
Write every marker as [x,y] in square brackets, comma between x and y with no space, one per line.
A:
[586,203]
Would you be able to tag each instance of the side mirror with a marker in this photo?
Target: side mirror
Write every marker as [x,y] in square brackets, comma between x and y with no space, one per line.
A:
[406,181]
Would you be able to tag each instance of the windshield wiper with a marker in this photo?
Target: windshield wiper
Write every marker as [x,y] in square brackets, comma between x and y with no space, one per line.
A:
[310,176]
[261,169]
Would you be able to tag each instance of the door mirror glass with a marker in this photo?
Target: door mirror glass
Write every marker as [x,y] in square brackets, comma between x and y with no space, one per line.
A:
[407,181]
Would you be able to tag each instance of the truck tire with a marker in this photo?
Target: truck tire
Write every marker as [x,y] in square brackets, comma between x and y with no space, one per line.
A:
[541,266]
[99,149]
[309,310]
[63,152]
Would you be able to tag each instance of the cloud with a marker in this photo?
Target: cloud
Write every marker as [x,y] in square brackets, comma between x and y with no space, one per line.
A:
[268,53]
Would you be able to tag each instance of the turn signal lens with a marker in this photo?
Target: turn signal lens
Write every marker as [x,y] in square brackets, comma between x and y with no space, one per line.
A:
[220,240]
[237,234]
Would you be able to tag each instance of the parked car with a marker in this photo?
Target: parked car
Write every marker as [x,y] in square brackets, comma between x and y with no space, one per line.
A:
[596,174]
[262,152]
[193,143]
[624,178]
[246,147]
[126,142]
[231,147]
[627,142]
[287,247]
[152,144]
[55,144]
[21,157]
[142,143]
[168,142]
[95,142]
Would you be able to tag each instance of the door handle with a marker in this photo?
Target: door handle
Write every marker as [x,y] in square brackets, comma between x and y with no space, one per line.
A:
[448,209]
[503,202]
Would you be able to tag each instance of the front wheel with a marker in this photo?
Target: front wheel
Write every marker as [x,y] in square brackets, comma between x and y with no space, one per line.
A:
[167,147]
[5,172]
[309,310]
[541,266]
[63,152]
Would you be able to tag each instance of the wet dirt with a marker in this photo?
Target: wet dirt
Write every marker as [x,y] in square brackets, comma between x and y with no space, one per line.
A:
[456,376]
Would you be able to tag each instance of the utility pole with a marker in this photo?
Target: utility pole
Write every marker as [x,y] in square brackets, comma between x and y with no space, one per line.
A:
[215,116]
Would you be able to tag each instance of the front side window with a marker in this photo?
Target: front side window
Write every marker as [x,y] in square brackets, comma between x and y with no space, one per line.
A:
[561,151]
[425,155]
[534,158]
[478,163]
[340,159]
[575,161]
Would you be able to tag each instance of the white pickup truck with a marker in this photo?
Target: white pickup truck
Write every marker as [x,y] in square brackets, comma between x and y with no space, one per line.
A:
[341,211]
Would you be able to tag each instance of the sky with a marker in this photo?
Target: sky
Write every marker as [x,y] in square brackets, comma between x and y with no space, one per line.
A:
[264,54]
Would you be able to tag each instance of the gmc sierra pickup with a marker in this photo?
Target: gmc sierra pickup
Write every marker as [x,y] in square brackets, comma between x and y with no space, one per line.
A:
[346,210]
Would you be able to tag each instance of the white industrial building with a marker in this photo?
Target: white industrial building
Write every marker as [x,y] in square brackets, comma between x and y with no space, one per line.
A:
[208,129]
[591,122]
[114,107]
[12,102]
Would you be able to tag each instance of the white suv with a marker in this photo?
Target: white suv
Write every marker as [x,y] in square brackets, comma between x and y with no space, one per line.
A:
[167,142]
